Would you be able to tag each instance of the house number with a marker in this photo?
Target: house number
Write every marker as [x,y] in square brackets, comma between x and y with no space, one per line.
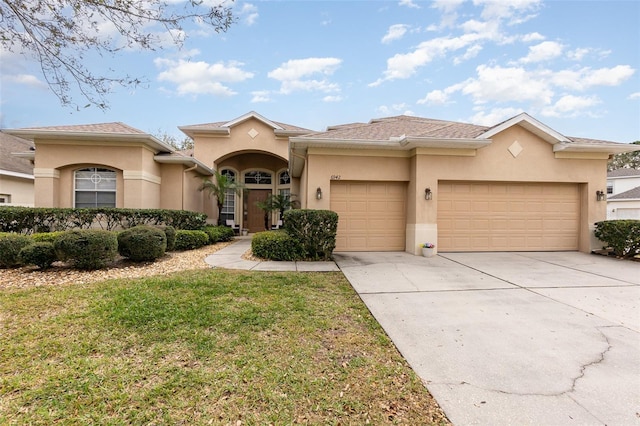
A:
[335,177]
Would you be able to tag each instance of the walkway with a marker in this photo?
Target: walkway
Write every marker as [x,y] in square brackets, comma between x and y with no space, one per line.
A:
[230,257]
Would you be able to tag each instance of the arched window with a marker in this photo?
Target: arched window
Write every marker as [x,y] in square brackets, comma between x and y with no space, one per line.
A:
[258,177]
[95,187]
[229,206]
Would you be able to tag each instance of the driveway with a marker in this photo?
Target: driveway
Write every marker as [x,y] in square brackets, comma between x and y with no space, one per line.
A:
[512,338]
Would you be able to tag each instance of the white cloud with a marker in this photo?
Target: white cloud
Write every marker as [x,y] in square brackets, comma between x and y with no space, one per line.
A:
[578,54]
[435,97]
[471,52]
[513,11]
[26,80]
[634,96]
[544,51]
[249,13]
[260,96]
[408,3]
[395,32]
[332,99]
[586,78]
[532,37]
[495,115]
[395,109]
[570,106]
[294,75]
[195,78]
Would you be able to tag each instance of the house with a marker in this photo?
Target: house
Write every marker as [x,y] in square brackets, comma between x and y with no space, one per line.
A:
[16,174]
[623,194]
[395,182]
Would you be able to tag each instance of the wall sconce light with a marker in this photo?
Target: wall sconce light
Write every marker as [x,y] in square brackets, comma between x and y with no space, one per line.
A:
[428,194]
[600,196]
[318,194]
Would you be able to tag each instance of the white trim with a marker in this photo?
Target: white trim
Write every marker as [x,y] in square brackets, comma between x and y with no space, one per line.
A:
[529,123]
[141,175]
[252,114]
[46,173]
[16,174]
[187,161]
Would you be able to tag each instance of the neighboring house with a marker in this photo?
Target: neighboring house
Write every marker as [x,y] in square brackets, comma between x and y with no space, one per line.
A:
[16,174]
[395,182]
[623,194]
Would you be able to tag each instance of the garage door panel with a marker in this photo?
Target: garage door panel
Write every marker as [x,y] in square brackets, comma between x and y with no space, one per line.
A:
[371,215]
[507,216]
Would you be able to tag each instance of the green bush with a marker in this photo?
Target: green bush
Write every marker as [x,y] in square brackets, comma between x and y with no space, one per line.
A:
[218,233]
[623,236]
[41,254]
[190,240]
[86,248]
[315,230]
[142,243]
[276,245]
[10,246]
[170,234]
[27,220]
[46,237]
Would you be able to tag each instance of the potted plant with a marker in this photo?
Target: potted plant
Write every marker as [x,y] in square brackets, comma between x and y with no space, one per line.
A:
[428,249]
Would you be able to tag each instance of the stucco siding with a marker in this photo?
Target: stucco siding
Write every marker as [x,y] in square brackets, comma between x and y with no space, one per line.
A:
[20,190]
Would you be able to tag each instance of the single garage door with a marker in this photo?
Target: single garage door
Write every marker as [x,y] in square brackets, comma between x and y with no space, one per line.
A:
[371,215]
[489,216]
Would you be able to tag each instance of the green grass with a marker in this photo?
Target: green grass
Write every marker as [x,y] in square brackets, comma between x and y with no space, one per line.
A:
[208,347]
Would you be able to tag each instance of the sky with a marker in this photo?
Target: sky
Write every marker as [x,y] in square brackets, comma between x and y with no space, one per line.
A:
[573,65]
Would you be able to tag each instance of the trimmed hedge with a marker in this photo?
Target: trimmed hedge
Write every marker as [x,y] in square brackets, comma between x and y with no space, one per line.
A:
[190,240]
[219,233]
[623,236]
[27,220]
[87,249]
[41,254]
[170,234]
[46,237]
[276,245]
[142,243]
[10,246]
[315,230]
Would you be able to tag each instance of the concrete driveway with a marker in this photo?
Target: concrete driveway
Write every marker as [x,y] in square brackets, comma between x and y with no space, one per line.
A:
[512,338]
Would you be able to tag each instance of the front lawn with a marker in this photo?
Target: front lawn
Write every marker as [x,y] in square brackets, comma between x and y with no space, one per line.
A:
[203,347]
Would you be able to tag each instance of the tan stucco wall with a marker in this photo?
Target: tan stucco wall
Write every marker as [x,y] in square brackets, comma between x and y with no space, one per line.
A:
[20,190]
[209,148]
[424,168]
[138,175]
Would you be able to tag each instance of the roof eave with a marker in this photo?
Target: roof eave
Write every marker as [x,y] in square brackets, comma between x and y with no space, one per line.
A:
[16,174]
[534,126]
[28,155]
[609,148]
[148,140]
[186,161]
[192,131]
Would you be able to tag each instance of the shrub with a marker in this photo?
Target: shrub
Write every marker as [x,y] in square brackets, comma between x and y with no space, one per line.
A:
[218,233]
[276,245]
[170,234]
[190,240]
[142,243]
[623,236]
[86,248]
[10,246]
[46,237]
[315,230]
[41,254]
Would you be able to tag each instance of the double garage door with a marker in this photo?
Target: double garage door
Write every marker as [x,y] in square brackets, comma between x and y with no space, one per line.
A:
[489,216]
[472,216]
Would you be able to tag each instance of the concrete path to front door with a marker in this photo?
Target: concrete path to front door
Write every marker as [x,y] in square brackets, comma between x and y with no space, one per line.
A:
[512,338]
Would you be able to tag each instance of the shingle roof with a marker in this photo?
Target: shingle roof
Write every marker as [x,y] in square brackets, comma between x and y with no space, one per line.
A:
[403,125]
[630,194]
[11,163]
[114,127]
[623,172]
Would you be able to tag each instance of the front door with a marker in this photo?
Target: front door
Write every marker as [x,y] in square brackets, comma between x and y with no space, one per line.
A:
[255,215]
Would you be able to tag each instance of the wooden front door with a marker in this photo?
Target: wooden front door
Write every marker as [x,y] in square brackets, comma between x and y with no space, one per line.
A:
[255,215]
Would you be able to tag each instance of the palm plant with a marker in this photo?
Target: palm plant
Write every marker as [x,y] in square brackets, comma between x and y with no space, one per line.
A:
[218,186]
[278,203]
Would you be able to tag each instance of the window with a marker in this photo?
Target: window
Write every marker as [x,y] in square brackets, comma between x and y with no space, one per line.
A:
[95,187]
[262,178]
[284,178]
[609,188]
[229,205]
[5,198]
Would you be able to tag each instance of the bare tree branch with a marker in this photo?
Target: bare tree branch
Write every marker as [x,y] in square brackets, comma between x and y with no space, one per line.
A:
[59,33]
